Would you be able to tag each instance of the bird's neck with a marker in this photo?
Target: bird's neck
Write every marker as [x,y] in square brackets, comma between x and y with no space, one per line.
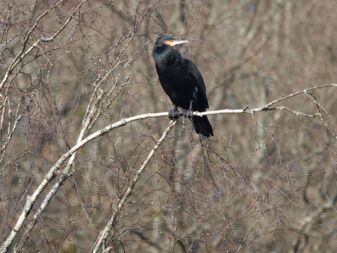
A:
[168,57]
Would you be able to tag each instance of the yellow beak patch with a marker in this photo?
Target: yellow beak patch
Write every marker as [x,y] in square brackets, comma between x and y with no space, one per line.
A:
[173,43]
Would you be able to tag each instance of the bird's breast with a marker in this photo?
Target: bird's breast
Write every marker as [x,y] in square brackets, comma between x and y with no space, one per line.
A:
[177,86]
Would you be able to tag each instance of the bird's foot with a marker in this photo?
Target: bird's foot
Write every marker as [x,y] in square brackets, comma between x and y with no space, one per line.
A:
[188,113]
[174,114]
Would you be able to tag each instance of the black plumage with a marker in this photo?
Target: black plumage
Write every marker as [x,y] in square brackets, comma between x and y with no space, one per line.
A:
[182,81]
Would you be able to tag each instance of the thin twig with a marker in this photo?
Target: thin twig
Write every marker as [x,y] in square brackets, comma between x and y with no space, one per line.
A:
[24,52]
[309,220]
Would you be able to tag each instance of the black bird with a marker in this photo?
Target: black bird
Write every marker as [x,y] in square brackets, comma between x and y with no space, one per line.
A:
[182,82]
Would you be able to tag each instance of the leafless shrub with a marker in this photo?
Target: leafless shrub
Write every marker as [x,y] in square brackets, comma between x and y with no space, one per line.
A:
[81,115]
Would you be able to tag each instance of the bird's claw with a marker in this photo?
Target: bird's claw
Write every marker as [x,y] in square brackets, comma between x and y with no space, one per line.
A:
[188,113]
[173,114]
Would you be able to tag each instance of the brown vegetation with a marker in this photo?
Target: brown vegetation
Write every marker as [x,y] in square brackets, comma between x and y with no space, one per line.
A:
[266,182]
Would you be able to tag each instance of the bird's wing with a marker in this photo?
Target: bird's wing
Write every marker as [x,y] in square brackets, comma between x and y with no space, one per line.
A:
[196,78]
[160,76]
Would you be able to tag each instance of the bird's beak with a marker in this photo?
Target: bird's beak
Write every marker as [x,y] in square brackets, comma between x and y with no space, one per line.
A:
[173,43]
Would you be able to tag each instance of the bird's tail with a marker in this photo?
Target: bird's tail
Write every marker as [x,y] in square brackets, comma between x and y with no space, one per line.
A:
[202,126]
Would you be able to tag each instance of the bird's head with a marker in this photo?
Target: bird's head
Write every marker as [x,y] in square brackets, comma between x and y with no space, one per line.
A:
[168,40]
[164,51]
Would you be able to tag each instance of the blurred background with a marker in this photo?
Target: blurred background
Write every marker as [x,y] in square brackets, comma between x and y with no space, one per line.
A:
[264,183]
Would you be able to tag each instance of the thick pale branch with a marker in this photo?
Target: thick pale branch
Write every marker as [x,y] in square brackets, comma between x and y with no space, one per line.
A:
[65,174]
[114,218]
[268,106]
[52,172]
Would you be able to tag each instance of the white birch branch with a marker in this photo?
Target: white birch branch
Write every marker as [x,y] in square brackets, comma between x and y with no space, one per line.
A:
[114,218]
[53,170]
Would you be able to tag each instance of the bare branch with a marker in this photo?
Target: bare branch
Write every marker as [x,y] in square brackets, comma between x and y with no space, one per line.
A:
[114,218]
[23,52]
[10,132]
[53,171]
[309,220]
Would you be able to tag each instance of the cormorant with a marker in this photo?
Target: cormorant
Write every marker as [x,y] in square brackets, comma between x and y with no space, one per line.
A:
[182,82]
